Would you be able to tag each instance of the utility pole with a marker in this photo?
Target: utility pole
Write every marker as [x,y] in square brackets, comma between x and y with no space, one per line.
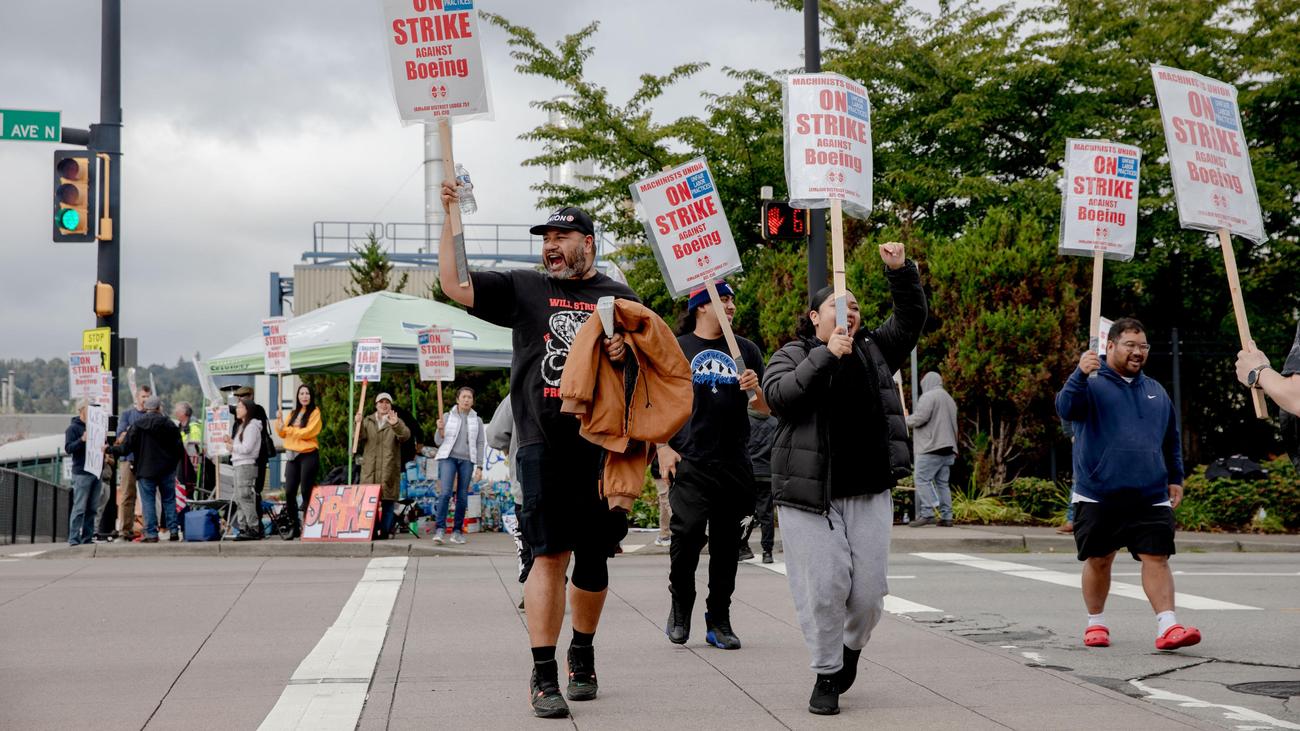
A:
[812,63]
[106,138]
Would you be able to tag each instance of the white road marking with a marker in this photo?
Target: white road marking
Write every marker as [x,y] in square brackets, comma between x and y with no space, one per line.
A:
[1215,573]
[634,547]
[893,604]
[1034,657]
[1027,571]
[329,688]
[1232,713]
[29,554]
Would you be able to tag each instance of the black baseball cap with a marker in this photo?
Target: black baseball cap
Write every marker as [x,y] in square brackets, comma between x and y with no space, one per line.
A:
[569,218]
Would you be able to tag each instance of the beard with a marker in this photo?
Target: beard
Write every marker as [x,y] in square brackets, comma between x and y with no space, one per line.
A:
[574,267]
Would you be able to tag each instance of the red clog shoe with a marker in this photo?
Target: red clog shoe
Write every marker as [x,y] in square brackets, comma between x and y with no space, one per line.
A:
[1178,636]
[1097,636]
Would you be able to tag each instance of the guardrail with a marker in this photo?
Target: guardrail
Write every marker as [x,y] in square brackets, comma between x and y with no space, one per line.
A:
[334,242]
[32,509]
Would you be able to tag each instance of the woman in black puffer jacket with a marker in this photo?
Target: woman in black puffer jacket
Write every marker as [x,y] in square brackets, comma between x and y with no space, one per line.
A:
[842,444]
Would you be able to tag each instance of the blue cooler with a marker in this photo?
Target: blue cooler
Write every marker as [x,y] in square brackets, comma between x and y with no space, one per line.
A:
[202,525]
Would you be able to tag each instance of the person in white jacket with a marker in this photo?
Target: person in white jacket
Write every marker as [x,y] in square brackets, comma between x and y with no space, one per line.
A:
[462,444]
[245,445]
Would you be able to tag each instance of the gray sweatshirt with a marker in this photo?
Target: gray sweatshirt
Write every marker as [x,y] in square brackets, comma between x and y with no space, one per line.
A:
[934,425]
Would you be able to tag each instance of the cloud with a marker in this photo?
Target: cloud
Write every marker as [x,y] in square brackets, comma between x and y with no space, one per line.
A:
[247,121]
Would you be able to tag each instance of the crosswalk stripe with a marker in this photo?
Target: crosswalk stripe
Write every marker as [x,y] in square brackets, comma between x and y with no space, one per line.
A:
[893,604]
[1074,580]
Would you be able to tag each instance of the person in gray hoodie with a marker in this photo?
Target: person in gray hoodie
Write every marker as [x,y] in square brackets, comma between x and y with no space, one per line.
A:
[934,438]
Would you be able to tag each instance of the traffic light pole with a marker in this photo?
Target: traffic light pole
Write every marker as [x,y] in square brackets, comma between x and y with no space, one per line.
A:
[812,55]
[106,138]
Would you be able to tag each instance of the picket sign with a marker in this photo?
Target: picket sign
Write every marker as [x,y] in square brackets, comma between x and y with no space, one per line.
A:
[688,230]
[1214,184]
[453,211]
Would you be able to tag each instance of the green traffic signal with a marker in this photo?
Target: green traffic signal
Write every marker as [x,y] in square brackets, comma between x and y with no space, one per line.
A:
[69,219]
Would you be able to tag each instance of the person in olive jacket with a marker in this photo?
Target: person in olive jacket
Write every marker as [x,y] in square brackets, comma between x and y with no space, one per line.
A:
[841,445]
[382,434]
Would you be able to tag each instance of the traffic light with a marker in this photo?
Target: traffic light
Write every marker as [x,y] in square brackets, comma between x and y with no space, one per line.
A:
[74,195]
[783,223]
[103,299]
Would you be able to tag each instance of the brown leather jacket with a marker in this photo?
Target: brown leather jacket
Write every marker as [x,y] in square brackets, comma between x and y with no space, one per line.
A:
[627,409]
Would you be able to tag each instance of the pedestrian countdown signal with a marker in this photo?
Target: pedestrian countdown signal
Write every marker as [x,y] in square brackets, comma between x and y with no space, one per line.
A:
[783,223]
[74,195]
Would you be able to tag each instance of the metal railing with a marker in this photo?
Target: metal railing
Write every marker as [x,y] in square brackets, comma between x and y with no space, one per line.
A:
[334,242]
[32,509]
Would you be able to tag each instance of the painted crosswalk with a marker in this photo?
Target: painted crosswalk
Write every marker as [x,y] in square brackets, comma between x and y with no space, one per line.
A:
[1073,580]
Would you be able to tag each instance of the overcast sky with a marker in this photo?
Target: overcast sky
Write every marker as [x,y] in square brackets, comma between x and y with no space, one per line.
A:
[285,111]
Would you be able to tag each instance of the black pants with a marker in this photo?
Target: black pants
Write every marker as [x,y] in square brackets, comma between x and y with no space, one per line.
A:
[708,501]
[763,515]
[300,474]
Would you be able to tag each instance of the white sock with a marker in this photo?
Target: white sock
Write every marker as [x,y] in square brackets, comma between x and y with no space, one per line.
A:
[1098,619]
[1164,621]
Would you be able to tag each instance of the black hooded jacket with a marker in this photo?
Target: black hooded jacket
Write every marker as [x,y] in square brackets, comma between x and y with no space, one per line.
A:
[797,385]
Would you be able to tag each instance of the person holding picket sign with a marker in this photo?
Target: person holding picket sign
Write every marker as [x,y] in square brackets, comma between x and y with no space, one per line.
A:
[707,463]
[462,445]
[841,446]
[564,515]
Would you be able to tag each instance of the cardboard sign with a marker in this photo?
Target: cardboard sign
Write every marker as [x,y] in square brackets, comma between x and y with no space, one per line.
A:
[437,354]
[104,396]
[1099,208]
[686,226]
[1213,180]
[217,421]
[369,360]
[84,367]
[100,339]
[436,61]
[828,142]
[275,343]
[341,513]
[96,439]
[1103,334]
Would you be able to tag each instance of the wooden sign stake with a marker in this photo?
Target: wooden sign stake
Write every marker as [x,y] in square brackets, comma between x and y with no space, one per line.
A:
[453,215]
[730,337]
[361,410]
[1239,309]
[837,264]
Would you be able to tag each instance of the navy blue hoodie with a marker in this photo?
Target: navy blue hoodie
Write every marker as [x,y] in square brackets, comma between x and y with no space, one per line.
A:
[1126,436]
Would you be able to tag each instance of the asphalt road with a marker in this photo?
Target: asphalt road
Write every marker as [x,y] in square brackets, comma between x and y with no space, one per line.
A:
[1017,611]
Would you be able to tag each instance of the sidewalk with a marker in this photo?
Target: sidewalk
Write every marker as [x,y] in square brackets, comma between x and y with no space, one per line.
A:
[957,539]
[439,667]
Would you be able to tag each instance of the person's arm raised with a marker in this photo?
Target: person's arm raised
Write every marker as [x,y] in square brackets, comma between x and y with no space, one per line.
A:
[447,277]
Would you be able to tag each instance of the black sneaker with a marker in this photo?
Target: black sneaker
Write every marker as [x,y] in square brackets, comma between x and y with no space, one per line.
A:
[719,633]
[173,536]
[919,522]
[582,673]
[849,673]
[678,628]
[767,557]
[945,523]
[746,552]
[545,692]
[825,700]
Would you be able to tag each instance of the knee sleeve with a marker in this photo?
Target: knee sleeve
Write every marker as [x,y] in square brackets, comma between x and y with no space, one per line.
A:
[590,571]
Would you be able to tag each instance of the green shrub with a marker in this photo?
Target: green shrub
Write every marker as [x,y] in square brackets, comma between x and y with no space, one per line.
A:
[1233,504]
[1041,498]
[645,510]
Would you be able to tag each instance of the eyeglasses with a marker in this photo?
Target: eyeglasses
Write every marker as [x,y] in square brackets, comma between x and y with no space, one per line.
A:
[1130,345]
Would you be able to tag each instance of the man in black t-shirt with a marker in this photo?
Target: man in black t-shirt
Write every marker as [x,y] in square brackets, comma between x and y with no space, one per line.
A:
[707,462]
[1282,386]
[562,513]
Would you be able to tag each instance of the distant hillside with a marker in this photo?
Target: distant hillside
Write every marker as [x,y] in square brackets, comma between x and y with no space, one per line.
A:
[42,385]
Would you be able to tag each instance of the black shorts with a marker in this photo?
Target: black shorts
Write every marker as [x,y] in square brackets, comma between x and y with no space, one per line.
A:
[562,508]
[1100,529]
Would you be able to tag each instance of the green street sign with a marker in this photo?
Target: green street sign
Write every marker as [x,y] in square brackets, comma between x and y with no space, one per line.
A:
[32,126]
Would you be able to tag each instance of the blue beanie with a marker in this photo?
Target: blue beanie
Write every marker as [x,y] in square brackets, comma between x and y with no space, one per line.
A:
[700,295]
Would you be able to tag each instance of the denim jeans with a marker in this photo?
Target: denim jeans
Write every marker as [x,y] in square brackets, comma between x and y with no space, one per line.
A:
[932,492]
[453,474]
[148,503]
[85,496]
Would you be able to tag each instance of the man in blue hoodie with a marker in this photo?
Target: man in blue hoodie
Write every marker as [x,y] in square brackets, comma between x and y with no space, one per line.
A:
[1128,469]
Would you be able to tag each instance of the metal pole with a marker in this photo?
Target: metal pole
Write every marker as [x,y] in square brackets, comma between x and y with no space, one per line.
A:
[812,63]
[1177,376]
[106,137]
[433,214]
[352,422]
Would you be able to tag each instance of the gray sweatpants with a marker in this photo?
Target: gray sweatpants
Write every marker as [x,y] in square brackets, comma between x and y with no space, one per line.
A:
[246,498]
[837,573]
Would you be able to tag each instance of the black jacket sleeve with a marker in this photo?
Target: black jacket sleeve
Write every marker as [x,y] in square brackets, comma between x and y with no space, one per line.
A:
[897,335]
[796,379]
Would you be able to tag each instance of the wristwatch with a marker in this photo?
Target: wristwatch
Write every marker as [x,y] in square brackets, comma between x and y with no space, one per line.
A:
[1252,378]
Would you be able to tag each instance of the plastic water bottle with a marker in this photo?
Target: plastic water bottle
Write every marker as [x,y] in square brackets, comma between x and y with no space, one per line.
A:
[467,203]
